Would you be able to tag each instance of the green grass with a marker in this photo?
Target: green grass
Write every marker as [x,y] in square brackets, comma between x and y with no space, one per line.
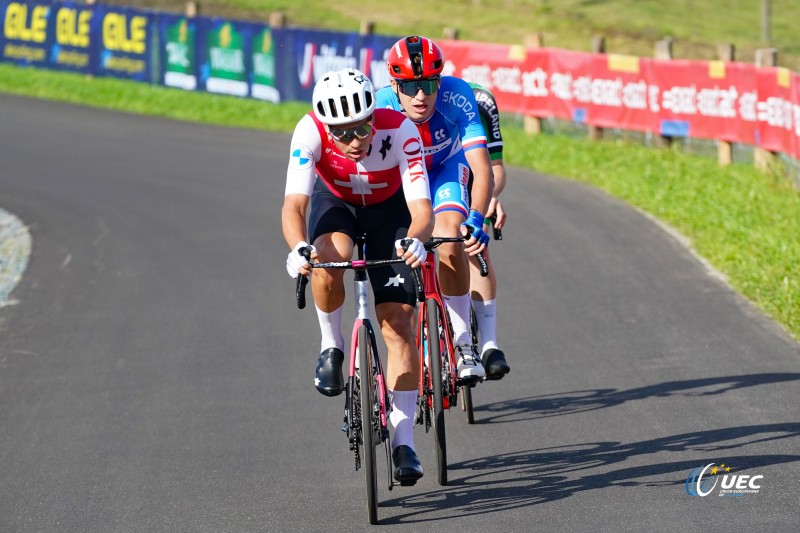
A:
[111,93]
[629,26]
[743,222]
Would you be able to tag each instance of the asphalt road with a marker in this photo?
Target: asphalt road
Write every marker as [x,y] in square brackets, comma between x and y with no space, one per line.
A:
[155,374]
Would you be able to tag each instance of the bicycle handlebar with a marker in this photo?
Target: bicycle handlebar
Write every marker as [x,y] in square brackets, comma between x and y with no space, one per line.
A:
[434,242]
[356,264]
[360,264]
[496,233]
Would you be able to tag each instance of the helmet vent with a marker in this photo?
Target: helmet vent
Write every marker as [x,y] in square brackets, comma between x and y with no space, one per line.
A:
[345,107]
[357,103]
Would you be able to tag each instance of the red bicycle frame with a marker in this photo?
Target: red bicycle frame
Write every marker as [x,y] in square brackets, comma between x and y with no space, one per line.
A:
[432,290]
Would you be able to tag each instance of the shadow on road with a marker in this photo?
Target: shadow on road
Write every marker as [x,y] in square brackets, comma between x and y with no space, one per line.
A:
[535,407]
[522,479]
[526,478]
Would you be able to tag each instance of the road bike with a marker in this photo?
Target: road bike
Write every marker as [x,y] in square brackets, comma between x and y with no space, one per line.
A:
[366,394]
[439,381]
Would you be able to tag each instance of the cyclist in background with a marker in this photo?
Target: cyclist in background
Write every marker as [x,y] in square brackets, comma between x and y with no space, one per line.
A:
[483,291]
[446,114]
[372,179]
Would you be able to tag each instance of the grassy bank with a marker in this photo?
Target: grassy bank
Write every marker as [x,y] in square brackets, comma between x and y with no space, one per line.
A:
[744,223]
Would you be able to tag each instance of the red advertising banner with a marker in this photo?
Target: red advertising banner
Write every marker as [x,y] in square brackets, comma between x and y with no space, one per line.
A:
[734,102]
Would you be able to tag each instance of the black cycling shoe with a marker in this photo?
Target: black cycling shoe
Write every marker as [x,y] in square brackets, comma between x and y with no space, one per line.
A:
[329,380]
[407,469]
[494,361]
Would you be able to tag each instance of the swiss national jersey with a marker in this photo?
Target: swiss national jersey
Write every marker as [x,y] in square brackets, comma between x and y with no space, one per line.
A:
[394,159]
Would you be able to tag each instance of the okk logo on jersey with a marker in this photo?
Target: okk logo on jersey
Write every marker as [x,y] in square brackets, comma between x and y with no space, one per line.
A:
[703,480]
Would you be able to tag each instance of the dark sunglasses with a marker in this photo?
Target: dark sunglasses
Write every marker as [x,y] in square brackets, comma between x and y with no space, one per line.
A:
[346,135]
[411,87]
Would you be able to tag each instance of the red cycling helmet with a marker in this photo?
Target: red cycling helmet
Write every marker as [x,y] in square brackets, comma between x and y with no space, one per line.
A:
[415,57]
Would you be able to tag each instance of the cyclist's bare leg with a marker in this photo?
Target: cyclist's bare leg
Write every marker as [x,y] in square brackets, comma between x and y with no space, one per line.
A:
[402,370]
[482,288]
[453,264]
[454,272]
[328,284]
[454,277]
[483,293]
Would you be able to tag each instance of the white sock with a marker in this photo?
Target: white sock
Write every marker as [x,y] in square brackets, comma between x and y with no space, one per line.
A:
[404,406]
[486,316]
[330,325]
[458,306]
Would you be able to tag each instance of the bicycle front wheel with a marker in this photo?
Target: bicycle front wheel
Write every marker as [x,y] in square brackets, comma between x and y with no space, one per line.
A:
[435,361]
[367,392]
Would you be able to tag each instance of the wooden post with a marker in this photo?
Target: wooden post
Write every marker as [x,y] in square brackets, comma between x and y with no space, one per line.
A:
[598,47]
[726,54]
[533,125]
[367,27]
[765,160]
[192,9]
[663,52]
[766,22]
[450,34]
[277,19]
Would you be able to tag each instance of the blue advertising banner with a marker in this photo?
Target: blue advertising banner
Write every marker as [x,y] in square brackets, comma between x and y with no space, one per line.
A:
[305,55]
[26,33]
[71,48]
[209,54]
[125,43]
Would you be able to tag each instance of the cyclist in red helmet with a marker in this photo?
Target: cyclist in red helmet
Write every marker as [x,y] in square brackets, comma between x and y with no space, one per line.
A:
[446,114]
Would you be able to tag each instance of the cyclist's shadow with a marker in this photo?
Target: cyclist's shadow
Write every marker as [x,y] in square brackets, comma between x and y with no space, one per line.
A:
[517,480]
[544,406]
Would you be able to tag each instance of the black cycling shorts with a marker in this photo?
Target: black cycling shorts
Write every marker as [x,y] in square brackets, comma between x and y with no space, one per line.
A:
[383,224]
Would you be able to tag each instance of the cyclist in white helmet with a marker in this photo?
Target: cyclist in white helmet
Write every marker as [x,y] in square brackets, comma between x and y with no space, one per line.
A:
[373,180]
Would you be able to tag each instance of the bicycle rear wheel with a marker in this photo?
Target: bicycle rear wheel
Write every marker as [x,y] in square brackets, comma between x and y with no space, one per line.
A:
[435,361]
[466,391]
[367,390]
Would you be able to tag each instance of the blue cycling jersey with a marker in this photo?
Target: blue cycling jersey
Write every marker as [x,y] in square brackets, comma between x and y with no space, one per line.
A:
[454,128]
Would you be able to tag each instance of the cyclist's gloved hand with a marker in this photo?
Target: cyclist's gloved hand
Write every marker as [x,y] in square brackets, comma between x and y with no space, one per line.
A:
[411,248]
[474,223]
[295,261]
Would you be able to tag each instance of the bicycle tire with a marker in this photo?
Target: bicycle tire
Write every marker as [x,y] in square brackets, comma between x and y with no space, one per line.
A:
[366,394]
[466,391]
[435,361]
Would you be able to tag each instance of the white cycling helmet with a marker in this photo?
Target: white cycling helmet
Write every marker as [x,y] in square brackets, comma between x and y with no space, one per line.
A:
[343,96]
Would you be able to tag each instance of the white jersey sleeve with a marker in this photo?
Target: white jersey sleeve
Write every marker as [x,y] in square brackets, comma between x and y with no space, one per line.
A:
[411,162]
[306,147]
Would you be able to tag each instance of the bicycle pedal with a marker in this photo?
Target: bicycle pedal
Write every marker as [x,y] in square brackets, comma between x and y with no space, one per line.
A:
[468,382]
